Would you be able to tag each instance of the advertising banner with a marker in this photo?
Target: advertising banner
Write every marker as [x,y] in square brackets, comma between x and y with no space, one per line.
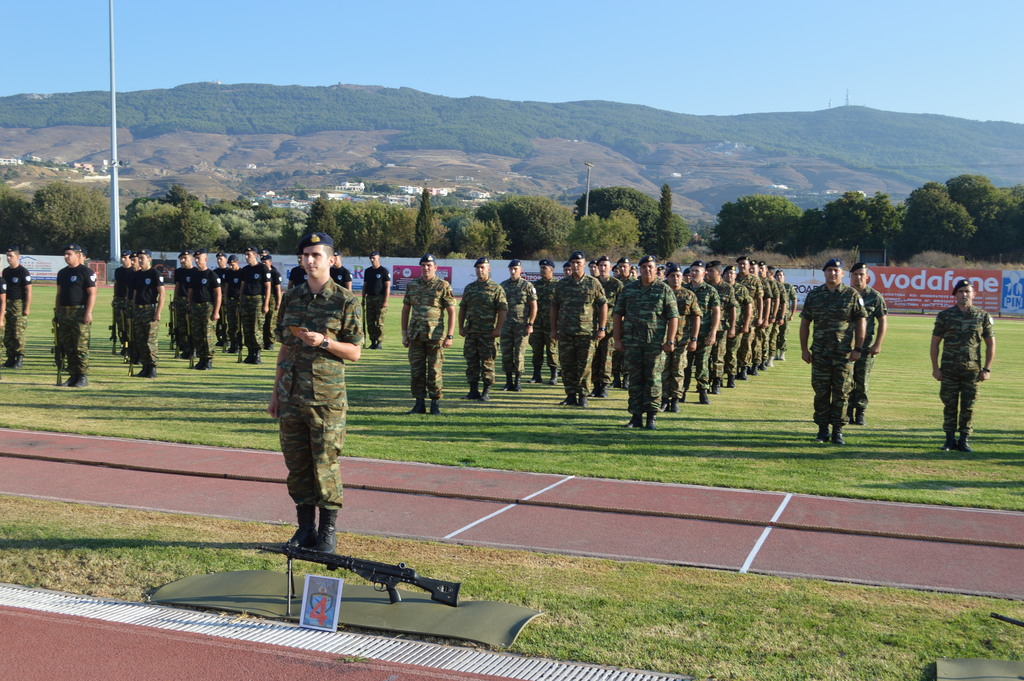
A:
[1013,292]
[911,288]
[401,275]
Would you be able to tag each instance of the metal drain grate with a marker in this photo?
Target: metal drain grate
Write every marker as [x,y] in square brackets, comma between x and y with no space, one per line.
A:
[380,648]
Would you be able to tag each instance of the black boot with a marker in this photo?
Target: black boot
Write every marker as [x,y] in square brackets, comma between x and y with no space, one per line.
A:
[850,418]
[485,396]
[326,537]
[474,392]
[950,444]
[673,406]
[963,443]
[741,375]
[517,385]
[536,376]
[570,400]
[703,392]
[837,435]
[716,386]
[554,377]
[435,406]
[581,400]
[822,434]
[625,382]
[508,383]
[616,381]
[730,382]
[652,421]
[305,536]
[635,421]
[81,381]
[664,404]
[419,408]
[858,418]
[752,371]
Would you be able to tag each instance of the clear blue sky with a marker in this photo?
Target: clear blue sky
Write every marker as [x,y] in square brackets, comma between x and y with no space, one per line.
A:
[959,59]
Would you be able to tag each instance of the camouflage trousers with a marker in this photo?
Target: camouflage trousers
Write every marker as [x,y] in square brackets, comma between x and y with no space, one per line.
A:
[480,350]
[644,364]
[182,339]
[252,323]
[312,438]
[672,375]
[426,360]
[601,365]
[717,361]
[773,339]
[745,349]
[616,362]
[513,348]
[146,335]
[759,346]
[232,320]
[122,319]
[699,366]
[15,322]
[780,341]
[221,328]
[575,353]
[202,329]
[269,321]
[958,392]
[732,346]
[545,350]
[830,379]
[374,316]
[73,337]
[859,381]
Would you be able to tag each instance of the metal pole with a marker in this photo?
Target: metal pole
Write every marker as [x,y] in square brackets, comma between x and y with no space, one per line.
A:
[115,204]
[586,202]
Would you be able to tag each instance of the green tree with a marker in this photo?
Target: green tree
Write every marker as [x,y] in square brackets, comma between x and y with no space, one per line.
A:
[933,221]
[759,222]
[483,239]
[424,233]
[615,235]
[856,221]
[666,238]
[321,217]
[534,224]
[604,200]
[63,213]
[991,210]
[14,220]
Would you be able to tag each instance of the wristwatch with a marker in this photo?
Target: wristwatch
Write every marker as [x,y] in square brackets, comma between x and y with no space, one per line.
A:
[600,328]
[449,337]
[326,344]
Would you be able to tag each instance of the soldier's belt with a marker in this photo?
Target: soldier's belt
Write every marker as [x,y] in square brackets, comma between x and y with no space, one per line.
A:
[256,297]
[71,307]
[145,307]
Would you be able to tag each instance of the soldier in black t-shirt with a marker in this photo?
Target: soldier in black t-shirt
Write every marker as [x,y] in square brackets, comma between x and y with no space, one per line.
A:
[376,289]
[340,273]
[72,311]
[182,284]
[232,283]
[221,329]
[119,303]
[148,302]
[275,301]
[19,301]
[204,300]
[255,304]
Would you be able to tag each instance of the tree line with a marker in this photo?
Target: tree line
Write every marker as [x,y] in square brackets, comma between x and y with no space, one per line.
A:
[966,215]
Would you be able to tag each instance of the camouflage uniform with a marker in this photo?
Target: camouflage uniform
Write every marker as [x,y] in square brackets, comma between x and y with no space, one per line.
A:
[874,304]
[962,334]
[270,319]
[743,299]
[700,359]
[204,283]
[833,314]
[120,304]
[601,368]
[313,400]
[787,302]
[375,288]
[745,346]
[727,297]
[645,311]
[676,361]
[482,301]
[576,301]
[145,327]
[69,312]
[427,301]
[544,349]
[771,338]
[180,332]
[15,321]
[519,294]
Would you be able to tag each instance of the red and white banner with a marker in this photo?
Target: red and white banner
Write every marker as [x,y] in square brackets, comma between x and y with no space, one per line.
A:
[912,288]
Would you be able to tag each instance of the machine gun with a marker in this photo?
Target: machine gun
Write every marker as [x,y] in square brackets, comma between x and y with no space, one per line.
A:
[383,576]
[172,330]
[58,354]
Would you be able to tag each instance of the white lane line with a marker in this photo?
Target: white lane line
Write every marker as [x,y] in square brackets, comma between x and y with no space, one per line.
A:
[500,511]
[764,535]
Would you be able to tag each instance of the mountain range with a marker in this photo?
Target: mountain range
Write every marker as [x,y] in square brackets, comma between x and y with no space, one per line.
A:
[223,140]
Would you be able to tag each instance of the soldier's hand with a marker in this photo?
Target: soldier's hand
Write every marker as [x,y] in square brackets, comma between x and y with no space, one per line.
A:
[495,333]
[807,356]
[984,375]
[937,374]
[691,346]
[875,349]
[446,343]
[405,340]
[274,408]
[617,344]
[599,334]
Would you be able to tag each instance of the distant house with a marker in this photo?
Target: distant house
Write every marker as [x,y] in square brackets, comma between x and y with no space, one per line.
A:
[87,167]
[11,162]
[351,187]
[479,195]
[408,189]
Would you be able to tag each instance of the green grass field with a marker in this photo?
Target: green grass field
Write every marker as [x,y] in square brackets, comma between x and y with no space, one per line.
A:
[709,624]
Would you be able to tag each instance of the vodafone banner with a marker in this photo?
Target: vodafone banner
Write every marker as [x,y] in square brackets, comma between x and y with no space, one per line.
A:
[909,288]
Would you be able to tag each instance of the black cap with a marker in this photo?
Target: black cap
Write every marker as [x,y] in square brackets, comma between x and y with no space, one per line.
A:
[144,251]
[577,255]
[265,257]
[686,271]
[547,263]
[648,258]
[126,253]
[728,268]
[859,266]
[220,254]
[13,249]
[622,261]
[514,263]
[960,283]
[742,258]
[479,261]
[592,263]
[73,247]
[762,263]
[699,263]
[253,249]
[671,268]
[200,251]
[603,258]
[184,253]
[427,257]
[232,258]
[264,251]
[834,262]
[377,253]
[314,239]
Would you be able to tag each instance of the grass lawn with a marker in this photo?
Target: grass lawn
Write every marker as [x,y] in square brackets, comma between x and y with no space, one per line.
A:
[704,623]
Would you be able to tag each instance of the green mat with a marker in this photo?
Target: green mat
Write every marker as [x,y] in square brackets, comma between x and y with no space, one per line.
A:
[262,593]
[978,670]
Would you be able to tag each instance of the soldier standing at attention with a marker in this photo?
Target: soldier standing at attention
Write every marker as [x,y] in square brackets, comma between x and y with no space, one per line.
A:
[601,367]
[148,303]
[3,302]
[874,334]
[255,304]
[426,301]
[741,325]
[119,302]
[644,325]
[745,347]
[19,304]
[340,273]
[521,297]
[789,304]
[233,304]
[727,297]
[838,315]
[275,301]
[961,330]
[482,311]
[72,310]
[711,316]
[578,304]
[685,339]
[623,272]
[544,348]
[204,300]
[182,285]
[221,270]
[376,290]
[319,329]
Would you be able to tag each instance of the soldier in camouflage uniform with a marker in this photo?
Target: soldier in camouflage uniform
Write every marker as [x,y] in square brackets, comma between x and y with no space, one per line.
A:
[19,305]
[728,322]
[741,327]
[745,346]
[623,271]
[179,304]
[521,297]
[699,361]
[601,367]
[147,305]
[544,348]
[270,319]
[482,312]
[319,329]
[961,330]
[838,315]
[72,311]
[645,322]
[376,290]
[233,304]
[874,334]
[685,340]
[771,303]
[426,301]
[119,302]
[204,303]
[789,309]
[254,304]
[578,302]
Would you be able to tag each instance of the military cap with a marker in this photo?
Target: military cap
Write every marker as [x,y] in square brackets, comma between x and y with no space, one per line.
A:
[960,283]
[699,263]
[480,261]
[859,266]
[661,267]
[200,251]
[126,253]
[314,239]
[686,271]
[671,268]
[742,258]
[232,258]
[265,257]
[184,253]
[13,249]
[714,263]
[377,253]
[577,255]
[762,263]
[220,254]
[622,261]
[728,268]
[547,263]
[603,258]
[779,270]
[145,251]
[73,247]
[834,262]
[565,265]
[648,258]
[427,257]
[592,263]
[253,249]
[515,263]
[264,251]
